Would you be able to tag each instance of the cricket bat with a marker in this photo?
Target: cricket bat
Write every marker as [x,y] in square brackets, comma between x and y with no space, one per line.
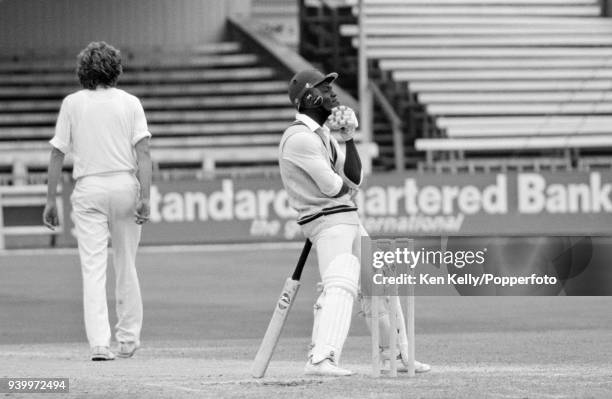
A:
[281,311]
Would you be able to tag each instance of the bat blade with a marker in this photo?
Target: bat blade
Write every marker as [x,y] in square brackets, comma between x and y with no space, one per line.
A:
[273,332]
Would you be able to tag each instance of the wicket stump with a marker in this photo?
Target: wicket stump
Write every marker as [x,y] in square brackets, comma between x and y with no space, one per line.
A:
[402,330]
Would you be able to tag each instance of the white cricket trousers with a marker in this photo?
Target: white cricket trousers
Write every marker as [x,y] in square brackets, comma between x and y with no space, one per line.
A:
[103,207]
[337,240]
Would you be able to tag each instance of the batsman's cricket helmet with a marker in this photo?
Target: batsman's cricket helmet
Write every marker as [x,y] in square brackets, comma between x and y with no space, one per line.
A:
[304,80]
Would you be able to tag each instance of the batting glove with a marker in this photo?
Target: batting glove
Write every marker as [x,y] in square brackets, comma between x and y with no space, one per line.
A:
[343,122]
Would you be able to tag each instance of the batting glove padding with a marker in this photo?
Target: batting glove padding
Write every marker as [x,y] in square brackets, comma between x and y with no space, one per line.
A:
[343,121]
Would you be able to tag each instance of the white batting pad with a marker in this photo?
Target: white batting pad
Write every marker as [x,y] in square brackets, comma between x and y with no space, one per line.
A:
[317,316]
[384,323]
[342,272]
[401,322]
[334,318]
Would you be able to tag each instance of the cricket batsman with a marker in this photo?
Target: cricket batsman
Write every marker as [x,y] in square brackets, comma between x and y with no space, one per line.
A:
[321,176]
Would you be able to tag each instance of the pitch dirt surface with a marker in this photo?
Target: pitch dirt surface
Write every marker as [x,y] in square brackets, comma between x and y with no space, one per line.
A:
[207,309]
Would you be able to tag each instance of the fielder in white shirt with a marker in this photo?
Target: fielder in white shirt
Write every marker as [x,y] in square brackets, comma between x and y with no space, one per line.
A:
[105,130]
[322,176]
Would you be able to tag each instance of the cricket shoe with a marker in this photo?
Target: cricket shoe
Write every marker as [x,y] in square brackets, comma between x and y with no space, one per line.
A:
[101,353]
[127,349]
[325,368]
[418,367]
[402,367]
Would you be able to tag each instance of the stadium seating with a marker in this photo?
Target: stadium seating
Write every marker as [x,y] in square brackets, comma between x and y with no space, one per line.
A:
[214,103]
[507,77]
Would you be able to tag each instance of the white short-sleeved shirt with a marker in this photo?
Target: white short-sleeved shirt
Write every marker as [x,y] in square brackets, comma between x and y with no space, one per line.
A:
[100,128]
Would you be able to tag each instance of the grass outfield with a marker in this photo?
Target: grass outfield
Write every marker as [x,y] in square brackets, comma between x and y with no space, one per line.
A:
[205,312]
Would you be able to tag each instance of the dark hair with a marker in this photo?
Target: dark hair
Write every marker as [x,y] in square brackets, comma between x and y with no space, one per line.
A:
[98,64]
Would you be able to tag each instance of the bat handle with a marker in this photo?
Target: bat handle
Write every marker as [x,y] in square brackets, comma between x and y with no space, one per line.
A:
[297,273]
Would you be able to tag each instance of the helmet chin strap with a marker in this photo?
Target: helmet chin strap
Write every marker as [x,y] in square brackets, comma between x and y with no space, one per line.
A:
[312,99]
[316,106]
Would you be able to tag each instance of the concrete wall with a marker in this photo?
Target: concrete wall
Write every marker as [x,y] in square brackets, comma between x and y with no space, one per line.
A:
[42,26]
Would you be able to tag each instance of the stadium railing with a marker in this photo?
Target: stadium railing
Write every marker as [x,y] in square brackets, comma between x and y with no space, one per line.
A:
[26,196]
[396,125]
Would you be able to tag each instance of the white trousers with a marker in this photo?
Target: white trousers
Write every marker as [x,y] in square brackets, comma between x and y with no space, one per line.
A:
[337,240]
[103,207]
